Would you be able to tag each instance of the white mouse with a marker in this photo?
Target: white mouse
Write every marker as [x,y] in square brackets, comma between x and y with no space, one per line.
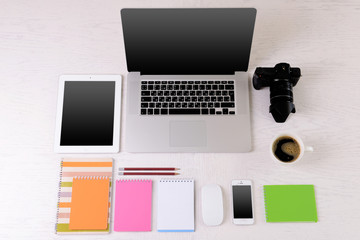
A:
[212,204]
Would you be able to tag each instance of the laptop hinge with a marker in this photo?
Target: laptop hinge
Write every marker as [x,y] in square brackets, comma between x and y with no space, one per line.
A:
[227,73]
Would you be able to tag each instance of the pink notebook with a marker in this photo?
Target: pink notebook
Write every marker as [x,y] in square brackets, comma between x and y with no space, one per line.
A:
[133,205]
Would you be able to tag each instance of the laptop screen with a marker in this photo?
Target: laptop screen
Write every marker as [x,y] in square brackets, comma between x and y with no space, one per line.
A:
[188,41]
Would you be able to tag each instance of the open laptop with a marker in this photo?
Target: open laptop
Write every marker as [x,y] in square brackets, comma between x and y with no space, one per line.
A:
[187,86]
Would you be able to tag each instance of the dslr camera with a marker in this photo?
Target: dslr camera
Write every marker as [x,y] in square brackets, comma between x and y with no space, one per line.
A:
[281,79]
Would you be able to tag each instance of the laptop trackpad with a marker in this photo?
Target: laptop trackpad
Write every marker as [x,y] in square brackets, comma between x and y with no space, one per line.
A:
[188,134]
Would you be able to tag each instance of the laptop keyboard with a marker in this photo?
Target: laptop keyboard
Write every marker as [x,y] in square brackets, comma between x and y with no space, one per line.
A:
[187,97]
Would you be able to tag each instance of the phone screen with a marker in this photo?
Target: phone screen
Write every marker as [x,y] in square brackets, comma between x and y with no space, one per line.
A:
[242,201]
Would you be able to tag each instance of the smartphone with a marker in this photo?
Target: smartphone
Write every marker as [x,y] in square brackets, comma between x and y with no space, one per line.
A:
[243,210]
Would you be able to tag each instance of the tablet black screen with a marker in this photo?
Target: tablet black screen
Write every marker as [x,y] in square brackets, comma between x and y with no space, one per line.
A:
[88,113]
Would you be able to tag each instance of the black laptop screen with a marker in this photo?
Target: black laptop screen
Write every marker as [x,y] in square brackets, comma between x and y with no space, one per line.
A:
[188,41]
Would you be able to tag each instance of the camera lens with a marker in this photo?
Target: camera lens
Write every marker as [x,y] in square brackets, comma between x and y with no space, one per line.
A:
[281,99]
[281,90]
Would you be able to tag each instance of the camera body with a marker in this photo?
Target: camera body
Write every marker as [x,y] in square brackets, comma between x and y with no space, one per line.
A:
[281,79]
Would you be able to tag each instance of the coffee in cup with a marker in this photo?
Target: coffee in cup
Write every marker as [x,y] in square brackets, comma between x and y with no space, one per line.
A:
[288,148]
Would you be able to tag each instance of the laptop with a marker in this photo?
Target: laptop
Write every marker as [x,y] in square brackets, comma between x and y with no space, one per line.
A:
[187,86]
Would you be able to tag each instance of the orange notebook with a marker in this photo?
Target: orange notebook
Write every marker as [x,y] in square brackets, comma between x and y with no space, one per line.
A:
[89,203]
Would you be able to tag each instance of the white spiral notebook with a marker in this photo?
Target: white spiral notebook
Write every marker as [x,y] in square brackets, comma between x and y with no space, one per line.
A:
[175,205]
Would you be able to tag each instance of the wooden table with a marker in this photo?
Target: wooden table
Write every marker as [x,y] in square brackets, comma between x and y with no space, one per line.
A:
[40,40]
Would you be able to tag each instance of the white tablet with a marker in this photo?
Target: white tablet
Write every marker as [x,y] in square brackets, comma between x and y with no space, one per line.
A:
[88,114]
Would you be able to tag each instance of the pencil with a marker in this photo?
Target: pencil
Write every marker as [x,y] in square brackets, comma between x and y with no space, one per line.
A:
[148,173]
[148,169]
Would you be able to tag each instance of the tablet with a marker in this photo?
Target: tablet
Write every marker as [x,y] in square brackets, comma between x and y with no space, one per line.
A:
[88,114]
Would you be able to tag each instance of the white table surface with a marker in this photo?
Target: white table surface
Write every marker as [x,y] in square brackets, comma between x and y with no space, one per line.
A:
[40,40]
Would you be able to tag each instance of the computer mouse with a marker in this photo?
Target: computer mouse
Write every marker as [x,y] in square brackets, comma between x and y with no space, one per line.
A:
[212,204]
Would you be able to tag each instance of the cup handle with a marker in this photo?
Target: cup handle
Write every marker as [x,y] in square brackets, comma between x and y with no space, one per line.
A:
[309,149]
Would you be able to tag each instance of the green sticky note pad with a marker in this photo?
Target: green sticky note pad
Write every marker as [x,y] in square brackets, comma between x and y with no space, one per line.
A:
[290,203]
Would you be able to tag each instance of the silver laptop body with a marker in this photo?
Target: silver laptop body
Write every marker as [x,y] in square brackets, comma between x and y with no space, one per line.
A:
[217,129]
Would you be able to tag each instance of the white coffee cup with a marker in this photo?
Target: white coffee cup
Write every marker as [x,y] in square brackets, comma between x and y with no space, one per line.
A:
[302,148]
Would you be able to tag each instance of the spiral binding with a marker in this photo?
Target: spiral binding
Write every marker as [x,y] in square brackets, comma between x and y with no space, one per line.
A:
[266,217]
[57,211]
[134,180]
[176,180]
[91,177]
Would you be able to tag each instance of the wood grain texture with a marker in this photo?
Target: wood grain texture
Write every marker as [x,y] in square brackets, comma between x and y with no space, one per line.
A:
[40,40]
